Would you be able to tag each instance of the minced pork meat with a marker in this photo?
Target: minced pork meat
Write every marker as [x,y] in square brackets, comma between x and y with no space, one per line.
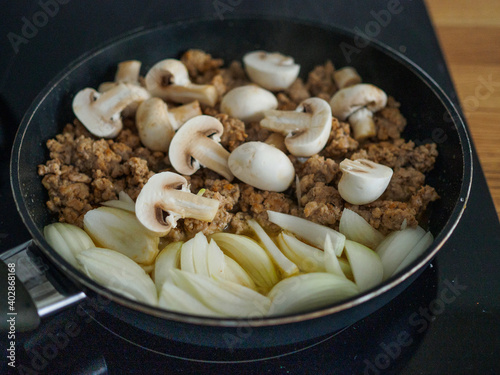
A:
[83,171]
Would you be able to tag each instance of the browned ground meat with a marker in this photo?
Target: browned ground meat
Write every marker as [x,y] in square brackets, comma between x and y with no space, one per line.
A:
[234,131]
[389,121]
[340,144]
[320,81]
[200,65]
[257,202]
[84,171]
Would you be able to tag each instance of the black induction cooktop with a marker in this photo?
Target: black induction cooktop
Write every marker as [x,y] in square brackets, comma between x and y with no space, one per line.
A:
[446,322]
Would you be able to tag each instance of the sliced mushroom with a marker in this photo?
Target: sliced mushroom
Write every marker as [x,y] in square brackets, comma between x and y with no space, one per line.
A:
[273,71]
[169,80]
[349,100]
[306,129]
[166,198]
[262,166]
[101,113]
[345,77]
[363,181]
[196,144]
[248,103]
[156,124]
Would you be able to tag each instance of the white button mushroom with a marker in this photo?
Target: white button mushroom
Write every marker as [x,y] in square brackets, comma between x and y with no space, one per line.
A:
[101,113]
[362,97]
[345,77]
[248,103]
[262,166]
[196,144]
[363,181]
[127,72]
[273,71]
[307,129]
[157,124]
[169,80]
[166,198]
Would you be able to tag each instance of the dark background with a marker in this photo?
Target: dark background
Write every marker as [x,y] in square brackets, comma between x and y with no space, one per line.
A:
[462,339]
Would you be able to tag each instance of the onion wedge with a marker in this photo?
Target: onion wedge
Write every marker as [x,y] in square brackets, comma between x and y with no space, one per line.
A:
[310,232]
[308,292]
[366,265]
[306,257]
[396,247]
[222,296]
[417,250]
[68,240]
[251,256]
[357,229]
[285,265]
[332,264]
[167,259]
[175,299]
[119,273]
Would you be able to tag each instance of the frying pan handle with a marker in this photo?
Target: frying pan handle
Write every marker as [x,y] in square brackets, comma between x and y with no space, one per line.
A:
[37,287]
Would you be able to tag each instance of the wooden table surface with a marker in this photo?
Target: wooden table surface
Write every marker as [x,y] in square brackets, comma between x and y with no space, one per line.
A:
[469,33]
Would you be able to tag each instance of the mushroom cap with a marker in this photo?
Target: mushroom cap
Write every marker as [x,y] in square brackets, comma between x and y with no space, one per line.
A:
[151,202]
[314,139]
[164,73]
[196,143]
[165,198]
[153,124]
[262,166]
[350,99]
[100,113]
[248,103]
[363,181]
[273,71]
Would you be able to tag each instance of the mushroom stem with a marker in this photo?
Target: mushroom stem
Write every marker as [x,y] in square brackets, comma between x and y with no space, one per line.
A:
[345,77]
[362,124]
[183,113]
[128,71]
[285,122]
[112,102]
[214,156]
[185,204]
[205,94]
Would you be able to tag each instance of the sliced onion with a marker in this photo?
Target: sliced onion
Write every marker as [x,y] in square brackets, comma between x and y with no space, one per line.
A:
[365,264]
[200,254]
[417,250]
[306,257]
[119,230]
[175,299]
[312,233]
[235,273]
[357,229]
[68,240]
[396,247]
[308,292]
[222,296]
[287,267]
[216,260]
[331,261]
[117,272]
[167,259]
[251,256]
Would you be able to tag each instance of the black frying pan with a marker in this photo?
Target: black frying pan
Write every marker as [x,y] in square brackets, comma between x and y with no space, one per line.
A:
[430,114]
